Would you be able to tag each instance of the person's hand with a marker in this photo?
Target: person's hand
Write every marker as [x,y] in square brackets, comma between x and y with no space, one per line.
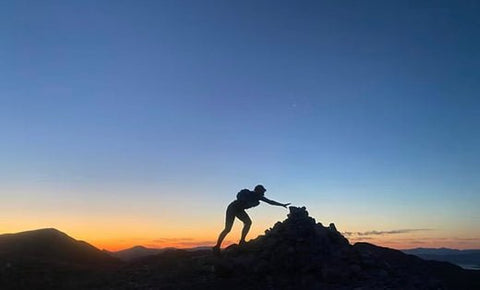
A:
[285,205]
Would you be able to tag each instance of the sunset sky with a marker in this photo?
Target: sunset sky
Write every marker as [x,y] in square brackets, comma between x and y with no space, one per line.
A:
[129,123]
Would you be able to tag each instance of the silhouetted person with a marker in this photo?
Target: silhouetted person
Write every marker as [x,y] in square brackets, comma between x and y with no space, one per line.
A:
[245,199]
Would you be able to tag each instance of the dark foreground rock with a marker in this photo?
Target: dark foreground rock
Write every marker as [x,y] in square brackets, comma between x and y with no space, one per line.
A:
[298,253]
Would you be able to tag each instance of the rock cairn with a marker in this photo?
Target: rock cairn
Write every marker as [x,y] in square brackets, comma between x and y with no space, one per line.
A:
[300,253]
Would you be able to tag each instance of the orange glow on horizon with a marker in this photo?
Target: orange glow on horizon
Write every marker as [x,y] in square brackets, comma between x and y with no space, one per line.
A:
[117,232]
[127,238]
[406,241]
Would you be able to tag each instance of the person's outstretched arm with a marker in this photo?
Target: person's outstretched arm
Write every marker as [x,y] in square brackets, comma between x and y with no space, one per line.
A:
[272,202]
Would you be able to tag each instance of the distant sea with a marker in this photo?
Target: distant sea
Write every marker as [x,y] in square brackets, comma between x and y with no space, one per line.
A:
[469,267]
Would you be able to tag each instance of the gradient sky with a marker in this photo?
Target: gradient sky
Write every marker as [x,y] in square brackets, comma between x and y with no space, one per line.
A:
[137,122]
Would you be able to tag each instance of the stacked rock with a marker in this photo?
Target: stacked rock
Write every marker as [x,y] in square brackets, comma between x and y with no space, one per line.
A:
[297,250]
[300,253]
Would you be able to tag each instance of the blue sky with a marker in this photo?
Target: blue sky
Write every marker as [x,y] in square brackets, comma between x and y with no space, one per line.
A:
[363,112]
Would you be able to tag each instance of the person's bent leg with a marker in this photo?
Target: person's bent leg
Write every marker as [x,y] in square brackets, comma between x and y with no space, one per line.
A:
[247,222]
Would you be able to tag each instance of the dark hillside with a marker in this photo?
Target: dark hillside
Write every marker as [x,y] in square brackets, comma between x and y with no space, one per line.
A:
[50,259]
[298,253]
[50,245]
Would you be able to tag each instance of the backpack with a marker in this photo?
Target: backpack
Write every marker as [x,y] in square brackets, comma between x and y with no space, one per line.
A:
[248,198]
[244,195]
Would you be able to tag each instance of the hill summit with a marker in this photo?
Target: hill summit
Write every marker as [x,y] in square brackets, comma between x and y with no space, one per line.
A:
[50,245]
[298,253]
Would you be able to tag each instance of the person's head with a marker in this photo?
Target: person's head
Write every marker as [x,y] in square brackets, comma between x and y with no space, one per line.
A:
[260,189]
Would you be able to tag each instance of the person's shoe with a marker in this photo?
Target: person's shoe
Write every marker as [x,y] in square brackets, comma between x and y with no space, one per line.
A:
[216,250]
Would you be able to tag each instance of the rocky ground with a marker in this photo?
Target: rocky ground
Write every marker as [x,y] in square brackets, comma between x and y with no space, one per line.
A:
[298,253]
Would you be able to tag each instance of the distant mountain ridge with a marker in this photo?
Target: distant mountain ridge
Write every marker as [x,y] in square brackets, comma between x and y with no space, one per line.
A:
[440,251]
[467,259]
[136,252]
[50,259]
[51,245]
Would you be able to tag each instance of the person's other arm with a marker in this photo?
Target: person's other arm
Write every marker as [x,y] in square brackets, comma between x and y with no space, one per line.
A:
[272,202]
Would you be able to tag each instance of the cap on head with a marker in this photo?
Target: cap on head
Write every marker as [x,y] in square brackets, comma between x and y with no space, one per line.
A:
[260,188]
